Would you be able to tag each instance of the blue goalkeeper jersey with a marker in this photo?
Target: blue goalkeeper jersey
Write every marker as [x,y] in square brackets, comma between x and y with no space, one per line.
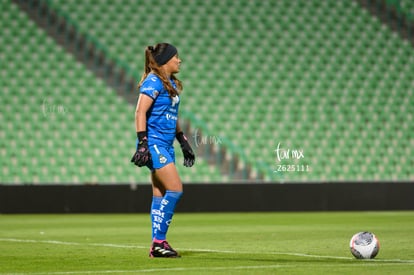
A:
[163,114]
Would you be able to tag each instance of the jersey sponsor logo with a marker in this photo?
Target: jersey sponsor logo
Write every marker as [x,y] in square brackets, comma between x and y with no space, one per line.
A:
[170,117]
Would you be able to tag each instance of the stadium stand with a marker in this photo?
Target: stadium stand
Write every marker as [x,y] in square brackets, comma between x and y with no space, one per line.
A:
[405,8]
[325,82]
[59,123]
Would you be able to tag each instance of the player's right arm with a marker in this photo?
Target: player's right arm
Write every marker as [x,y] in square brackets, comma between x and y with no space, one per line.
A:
[143,105]
[149,91]
[142,154]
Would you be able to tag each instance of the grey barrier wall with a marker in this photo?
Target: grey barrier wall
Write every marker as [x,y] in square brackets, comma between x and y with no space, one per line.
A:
[218,197]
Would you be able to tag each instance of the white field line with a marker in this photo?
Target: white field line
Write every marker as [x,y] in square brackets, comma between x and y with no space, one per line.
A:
[197,250]
[156,270]
[189,269]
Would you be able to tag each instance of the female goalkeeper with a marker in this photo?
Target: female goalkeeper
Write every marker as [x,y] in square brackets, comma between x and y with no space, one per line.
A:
[157,125]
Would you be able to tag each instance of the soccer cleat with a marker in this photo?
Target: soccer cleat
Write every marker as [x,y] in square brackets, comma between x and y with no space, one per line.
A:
[163,249]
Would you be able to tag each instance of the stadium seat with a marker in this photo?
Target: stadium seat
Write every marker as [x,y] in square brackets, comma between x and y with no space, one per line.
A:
[327,77]
[80,129]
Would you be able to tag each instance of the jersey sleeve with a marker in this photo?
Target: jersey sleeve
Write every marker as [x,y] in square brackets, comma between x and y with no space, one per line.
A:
[151,86]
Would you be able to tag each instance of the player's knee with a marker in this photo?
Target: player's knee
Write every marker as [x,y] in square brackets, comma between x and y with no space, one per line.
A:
[177,187]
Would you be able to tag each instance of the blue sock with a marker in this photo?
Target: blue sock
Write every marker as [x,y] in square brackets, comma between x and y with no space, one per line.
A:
[155,206]
[164,215]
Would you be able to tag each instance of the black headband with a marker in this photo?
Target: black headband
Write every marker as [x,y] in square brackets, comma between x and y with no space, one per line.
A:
[164,56]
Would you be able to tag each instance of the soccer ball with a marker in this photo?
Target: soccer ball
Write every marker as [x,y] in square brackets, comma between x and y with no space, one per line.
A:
[364,245]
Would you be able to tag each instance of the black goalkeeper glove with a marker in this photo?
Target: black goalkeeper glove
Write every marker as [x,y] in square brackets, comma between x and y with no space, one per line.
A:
[142,155]
[189,157]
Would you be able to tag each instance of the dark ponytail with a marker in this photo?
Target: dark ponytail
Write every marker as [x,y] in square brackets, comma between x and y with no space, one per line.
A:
[161,52]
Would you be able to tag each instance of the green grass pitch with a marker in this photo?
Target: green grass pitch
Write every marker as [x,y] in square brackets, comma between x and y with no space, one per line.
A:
[210,243]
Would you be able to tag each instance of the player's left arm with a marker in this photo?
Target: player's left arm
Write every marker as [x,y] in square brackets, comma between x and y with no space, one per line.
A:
[189,157]
[178,127]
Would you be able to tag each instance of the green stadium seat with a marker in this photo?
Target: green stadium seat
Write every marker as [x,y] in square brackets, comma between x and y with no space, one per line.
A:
[325,76]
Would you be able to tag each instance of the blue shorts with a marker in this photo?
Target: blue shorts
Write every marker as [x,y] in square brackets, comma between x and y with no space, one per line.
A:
[160,156]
